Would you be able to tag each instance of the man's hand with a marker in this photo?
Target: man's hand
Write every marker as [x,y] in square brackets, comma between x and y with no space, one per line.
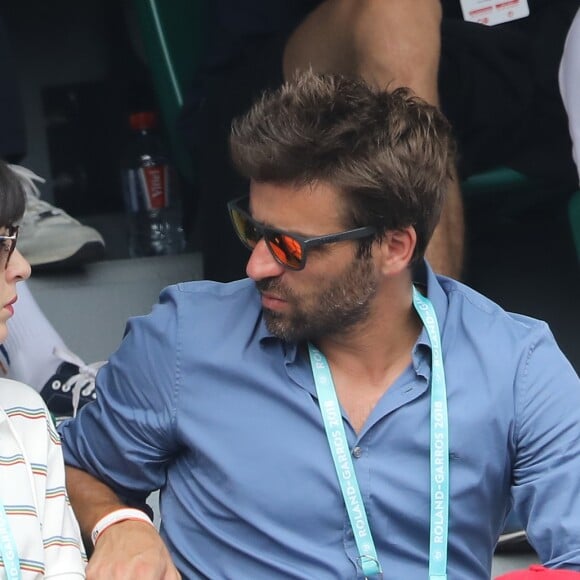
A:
[131,550]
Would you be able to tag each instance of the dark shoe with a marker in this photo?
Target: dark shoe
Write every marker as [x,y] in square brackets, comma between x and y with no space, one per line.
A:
[512,542]
[71,387]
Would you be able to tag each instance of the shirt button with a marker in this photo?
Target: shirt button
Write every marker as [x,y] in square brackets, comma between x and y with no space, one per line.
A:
[357,452]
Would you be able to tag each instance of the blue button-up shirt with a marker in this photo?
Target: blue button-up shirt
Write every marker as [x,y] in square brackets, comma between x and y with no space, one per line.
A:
[201,401]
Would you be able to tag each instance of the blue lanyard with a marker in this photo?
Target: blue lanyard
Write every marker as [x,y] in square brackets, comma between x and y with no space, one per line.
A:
[439,454]
[334,427]
[8,547]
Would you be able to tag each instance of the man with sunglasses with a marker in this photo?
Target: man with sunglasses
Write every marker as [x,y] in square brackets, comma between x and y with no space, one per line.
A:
[344,412]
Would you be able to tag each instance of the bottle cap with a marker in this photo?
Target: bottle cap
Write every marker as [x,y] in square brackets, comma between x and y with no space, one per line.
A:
[537,572]
[143,120]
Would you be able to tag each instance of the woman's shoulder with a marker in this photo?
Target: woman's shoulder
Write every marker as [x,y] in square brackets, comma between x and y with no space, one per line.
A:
[15,394]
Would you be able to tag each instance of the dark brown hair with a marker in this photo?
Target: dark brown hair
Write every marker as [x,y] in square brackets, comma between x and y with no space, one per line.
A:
[389,152]
[12,195]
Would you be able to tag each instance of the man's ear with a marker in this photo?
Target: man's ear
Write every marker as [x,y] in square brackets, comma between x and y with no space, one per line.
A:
[396,250]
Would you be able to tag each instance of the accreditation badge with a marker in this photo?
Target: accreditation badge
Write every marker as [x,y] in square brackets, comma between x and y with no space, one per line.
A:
[492,12]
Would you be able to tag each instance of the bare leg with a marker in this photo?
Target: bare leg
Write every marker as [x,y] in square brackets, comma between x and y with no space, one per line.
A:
[446,249]
[388,44]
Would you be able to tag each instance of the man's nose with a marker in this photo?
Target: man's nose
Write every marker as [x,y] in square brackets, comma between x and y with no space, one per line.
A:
[262,264]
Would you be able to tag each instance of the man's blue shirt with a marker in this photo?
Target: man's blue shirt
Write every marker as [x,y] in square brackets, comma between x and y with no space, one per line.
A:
[201,401]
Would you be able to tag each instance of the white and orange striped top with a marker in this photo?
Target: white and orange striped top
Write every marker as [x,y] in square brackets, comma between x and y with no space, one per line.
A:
[32,488]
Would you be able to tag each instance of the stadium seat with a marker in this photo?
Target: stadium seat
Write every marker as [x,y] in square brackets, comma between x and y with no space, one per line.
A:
[172,39]
[574,214]
[505,190]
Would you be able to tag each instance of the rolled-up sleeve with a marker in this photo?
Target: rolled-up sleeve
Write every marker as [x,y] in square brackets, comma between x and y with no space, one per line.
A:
[126,437]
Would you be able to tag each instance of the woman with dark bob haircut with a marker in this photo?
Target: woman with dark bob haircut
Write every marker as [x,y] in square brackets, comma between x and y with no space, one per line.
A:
[39,536]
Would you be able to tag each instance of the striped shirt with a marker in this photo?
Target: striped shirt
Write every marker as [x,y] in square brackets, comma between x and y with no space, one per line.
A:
[32,488]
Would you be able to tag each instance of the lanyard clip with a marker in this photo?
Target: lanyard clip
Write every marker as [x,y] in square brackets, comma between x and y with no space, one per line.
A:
[370,567]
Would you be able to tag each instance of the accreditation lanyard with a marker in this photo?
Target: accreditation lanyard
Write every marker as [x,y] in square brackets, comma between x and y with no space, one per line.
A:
[8,547]
[439,453]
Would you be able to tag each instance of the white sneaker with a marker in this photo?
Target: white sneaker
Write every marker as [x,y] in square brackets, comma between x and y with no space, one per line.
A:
[48,236]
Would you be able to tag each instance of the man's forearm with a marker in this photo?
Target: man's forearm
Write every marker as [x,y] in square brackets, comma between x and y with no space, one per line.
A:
[91,500]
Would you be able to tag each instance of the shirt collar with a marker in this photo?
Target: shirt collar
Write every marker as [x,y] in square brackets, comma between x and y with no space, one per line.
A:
[423,276]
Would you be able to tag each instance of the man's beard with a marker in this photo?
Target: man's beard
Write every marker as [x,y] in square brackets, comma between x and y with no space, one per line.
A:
[333,309]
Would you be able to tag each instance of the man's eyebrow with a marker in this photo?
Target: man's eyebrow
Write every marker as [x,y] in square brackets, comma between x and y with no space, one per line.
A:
[269,226]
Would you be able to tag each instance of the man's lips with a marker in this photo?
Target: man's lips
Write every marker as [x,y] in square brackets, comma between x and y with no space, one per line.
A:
[272,301]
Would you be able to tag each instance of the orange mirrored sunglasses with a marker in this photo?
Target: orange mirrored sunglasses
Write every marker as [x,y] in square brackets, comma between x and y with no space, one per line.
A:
[289,250]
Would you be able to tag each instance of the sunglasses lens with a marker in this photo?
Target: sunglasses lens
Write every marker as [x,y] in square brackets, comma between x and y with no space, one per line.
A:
[245,229]
[287,249]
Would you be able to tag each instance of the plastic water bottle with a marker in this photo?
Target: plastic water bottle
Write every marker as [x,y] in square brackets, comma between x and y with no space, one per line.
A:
[149,190]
